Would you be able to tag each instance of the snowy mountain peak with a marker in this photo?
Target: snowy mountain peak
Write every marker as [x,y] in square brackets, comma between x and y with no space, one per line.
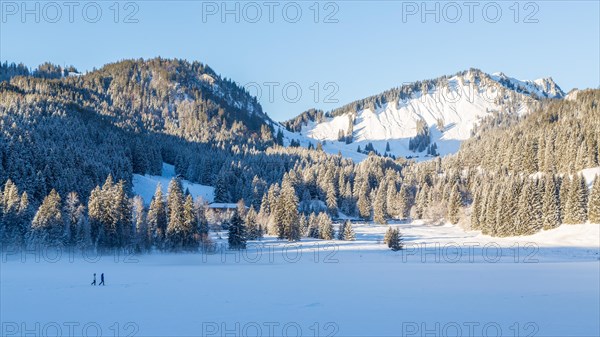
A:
[543,87]
[407,121]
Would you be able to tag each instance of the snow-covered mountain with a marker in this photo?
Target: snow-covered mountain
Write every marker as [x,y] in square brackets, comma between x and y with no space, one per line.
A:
[443,111]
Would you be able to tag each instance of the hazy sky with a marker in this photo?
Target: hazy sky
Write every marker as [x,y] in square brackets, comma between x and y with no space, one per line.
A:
[333,52]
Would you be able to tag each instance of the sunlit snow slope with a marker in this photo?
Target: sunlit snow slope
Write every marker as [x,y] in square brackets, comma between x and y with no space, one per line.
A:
[450,110]
[145,185]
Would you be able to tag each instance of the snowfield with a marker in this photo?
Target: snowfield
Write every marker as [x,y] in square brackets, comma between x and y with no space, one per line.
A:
[145,185]
[447,282]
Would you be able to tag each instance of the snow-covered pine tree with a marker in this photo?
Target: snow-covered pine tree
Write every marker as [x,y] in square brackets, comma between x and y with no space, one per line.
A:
[349,234]
[332,204]
[190,224]
[564,193]
[594,202]
[577,201]
[489,224]
[529,215]
[379,206]
[286,213]
[348,202]
[454,204]
[176,230]
[392,200]
[73,213]
[485,191]
[47,227]
[551,203]
[24,220]
[95,214]
[363,203]
[141,241]
[13,226]
[388,235]
[341,229]
[83,236]
[313,226]
[237,232]
[157,217]
[253,229]
[221,188]
[303,225]
[507,209]
[326,231]
[422,201]
[404,202]
[121,210]
[395,241]
[203,228]
[476,209]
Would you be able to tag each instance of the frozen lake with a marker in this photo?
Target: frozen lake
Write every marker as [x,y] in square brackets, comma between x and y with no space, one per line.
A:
[543,285]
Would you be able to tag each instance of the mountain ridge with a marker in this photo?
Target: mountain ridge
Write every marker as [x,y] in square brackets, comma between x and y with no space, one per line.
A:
[406,120]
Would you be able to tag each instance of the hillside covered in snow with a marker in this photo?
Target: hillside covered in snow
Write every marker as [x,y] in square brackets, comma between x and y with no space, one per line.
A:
[423,118]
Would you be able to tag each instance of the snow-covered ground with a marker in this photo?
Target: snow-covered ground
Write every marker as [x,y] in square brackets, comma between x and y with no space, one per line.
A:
[547,284]
[145,185]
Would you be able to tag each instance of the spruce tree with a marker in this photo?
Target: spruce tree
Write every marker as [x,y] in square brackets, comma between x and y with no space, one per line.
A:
[73,212]
[454,205]
[551,204]
[476,209]
[388,235]
[507,209]
[237,232]
[176,230]
[24,219]
[203,228]
[303,225]
[489,222]
[313,226]
[138,219]
[253,229]
[121,215]
[332,204]
[594,202]
[95,211]
[14,221]
[576,208]
[395,241]
[47,227]
[422,201]
[326,231]
[363,202]
[529,215]
[379,206]
[565,191]
[286,213]
[349,234]
[157,217]
[403,202]
[341,230]
[391,201]
[190,224]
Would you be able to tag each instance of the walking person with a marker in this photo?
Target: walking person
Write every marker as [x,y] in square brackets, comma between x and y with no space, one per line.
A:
[101,279]
[94,282]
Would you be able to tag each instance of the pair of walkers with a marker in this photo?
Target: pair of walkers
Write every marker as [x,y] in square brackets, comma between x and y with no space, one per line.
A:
[101,280]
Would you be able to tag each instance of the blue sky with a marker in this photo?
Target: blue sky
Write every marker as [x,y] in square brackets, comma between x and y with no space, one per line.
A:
[355,49]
